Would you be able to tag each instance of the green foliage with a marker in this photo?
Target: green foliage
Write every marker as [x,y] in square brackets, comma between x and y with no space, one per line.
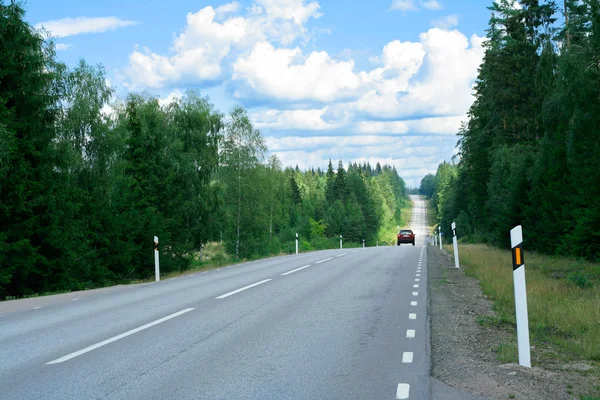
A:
[529,153]
[83,193]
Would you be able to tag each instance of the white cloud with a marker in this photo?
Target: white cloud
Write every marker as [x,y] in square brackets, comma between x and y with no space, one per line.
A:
[165,101]
[287,74]
[440,125]
[411,5]
[445,87]
[75,26]
[63,46]
[292,119]
[228,8]
[404,5]
[199,50]
[446,22]
[431,4]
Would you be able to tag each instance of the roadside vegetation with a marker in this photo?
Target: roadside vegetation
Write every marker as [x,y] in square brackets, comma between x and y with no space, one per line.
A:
[529,153]
[563,298]
[89,179]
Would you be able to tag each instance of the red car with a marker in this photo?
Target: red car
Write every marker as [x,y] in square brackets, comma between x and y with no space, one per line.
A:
[406,236]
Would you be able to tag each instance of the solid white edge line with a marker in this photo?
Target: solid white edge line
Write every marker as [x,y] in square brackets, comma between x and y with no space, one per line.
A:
[241,289]
[410,333]
[295,270]
[407,357]
[403,391]
[412,316]
[327,259]
[118,337]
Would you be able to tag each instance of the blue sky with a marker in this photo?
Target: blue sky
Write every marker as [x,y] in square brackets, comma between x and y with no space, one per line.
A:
[383,80]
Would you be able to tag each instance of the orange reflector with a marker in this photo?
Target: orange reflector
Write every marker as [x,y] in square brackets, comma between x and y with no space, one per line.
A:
[518,255]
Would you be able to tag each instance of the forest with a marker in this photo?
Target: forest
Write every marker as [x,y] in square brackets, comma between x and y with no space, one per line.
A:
[529,153]
[84,191]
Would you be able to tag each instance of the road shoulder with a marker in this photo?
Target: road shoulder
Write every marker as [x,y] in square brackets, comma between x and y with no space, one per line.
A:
[463,351]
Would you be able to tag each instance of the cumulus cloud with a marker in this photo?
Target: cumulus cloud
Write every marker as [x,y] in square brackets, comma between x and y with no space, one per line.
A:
[446,22]
[441,125]
[287,74]
[411,5]
[75,26]
[293,119]
[63,46]
[431,4]
[208,37]
[227,8]
[404,5]
[450,67]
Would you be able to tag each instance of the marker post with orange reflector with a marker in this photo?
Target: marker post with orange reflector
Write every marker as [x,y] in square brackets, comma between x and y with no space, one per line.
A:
[440,231]
[156,265]
[516,242]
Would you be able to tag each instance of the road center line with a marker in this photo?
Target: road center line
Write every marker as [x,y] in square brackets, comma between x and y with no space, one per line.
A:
[341,255]
[242,289]
[118,337]
[402,391]
[327,259]
[295,270]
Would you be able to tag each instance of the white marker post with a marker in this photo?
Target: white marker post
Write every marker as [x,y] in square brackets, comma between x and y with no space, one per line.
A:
[363,243]
[296,243]
[455,245]
[341,242]
[516,242]
[440,231]
[156,264]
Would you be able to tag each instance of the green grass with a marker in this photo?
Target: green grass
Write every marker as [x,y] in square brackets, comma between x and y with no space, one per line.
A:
[431,217]
[507,353]
[563,315]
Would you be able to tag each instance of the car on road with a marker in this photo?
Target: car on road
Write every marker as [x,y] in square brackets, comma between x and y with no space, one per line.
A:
[406,236]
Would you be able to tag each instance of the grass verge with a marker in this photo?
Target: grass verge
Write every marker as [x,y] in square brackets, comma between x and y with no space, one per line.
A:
[564,315]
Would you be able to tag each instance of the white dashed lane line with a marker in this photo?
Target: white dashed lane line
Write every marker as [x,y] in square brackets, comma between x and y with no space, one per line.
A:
[407,357]
[403,391]
[295,270]
[413,303]
[415,293]
[327,259]
[412,316]
[241,289]
[410,333]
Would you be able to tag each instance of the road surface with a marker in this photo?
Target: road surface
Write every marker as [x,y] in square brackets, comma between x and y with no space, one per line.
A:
[335,324]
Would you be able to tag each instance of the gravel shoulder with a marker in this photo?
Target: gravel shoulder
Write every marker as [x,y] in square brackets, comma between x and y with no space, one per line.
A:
[463,351]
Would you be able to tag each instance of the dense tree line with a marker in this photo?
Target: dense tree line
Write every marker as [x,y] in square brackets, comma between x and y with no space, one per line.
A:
[530,151]
[83,192]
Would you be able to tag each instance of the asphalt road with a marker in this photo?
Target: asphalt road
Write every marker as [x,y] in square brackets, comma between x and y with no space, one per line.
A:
[336,324]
